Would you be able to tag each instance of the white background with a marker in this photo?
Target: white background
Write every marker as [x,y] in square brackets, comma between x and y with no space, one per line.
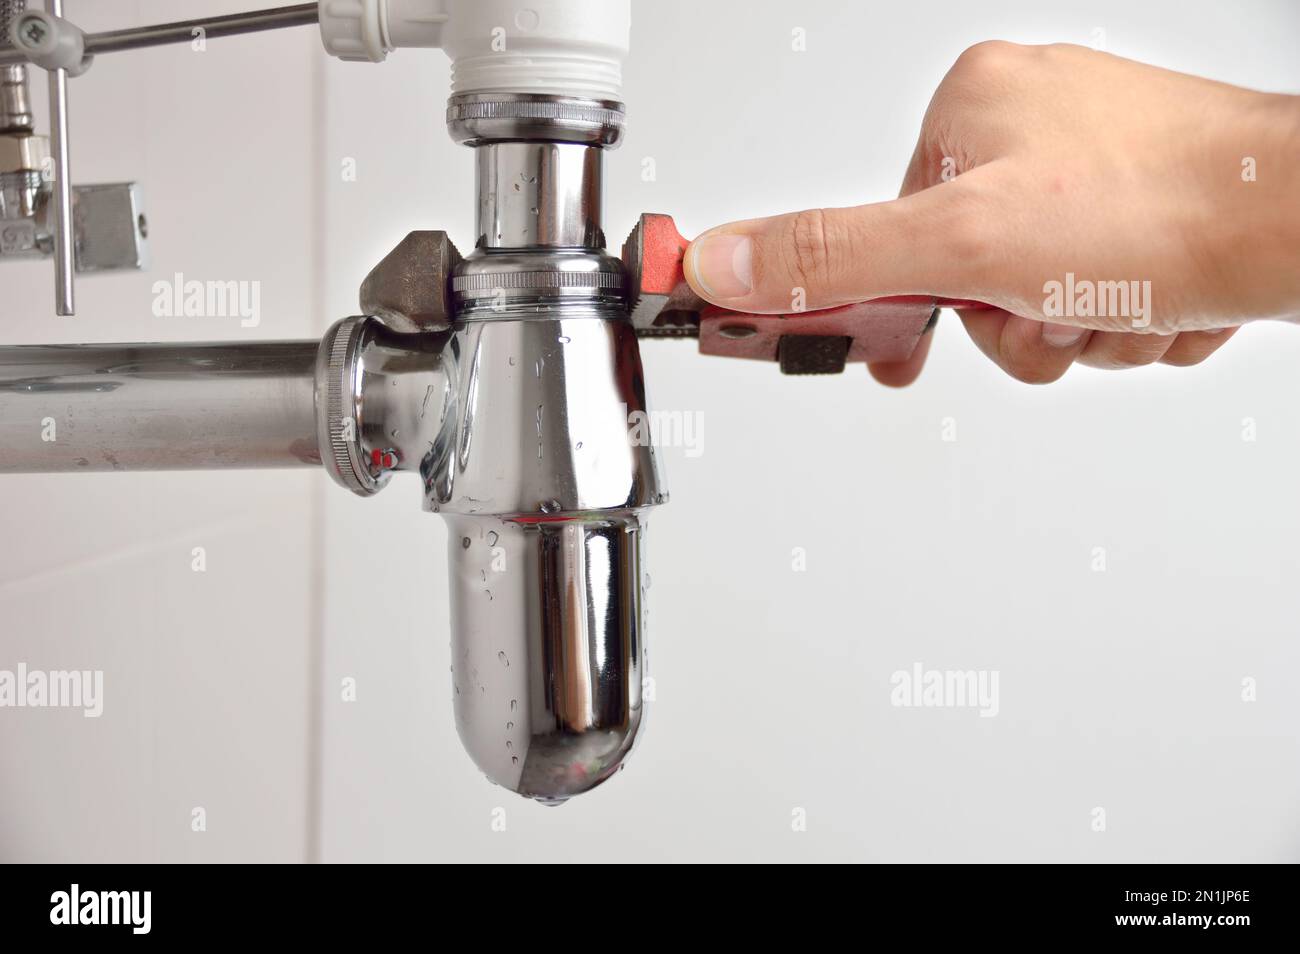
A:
[1119,689]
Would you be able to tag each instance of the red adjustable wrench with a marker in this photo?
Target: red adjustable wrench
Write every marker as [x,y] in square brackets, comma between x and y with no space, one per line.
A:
[662,305]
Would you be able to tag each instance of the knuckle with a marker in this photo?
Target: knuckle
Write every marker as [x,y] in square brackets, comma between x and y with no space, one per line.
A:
[1123,352]
[1139,354]
[1191,349]
[808,248]
[991,58]
[1063,53]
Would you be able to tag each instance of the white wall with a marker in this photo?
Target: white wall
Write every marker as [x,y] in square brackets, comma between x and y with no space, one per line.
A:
[206,675]
[1118,689]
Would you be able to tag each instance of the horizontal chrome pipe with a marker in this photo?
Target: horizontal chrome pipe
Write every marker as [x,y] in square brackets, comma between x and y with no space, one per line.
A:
[157,406]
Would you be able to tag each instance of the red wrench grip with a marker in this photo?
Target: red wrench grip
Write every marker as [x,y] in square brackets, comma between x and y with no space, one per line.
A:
[880,330]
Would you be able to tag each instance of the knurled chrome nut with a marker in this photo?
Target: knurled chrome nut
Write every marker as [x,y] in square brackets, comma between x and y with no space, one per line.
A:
[520,283]
[338,423]
[24,152]
[476,118]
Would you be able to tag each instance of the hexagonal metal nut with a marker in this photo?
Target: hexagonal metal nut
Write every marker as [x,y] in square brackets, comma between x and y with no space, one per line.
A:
[23,152]
[409,290]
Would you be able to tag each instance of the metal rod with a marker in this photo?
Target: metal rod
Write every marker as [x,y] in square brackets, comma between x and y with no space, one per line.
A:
[64,249]
[131,407]
[135,38]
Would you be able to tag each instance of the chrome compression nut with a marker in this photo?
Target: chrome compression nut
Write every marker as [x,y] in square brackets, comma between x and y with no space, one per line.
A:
[534,283]
[338,428]
[379,402]
[476,118]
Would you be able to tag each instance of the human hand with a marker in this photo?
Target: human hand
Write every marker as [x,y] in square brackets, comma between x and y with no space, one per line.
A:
[1109,212]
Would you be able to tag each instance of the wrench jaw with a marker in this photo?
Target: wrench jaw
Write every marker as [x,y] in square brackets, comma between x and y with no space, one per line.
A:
[662,305]
[660,302]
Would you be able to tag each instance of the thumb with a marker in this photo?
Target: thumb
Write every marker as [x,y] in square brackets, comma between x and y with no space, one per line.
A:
[924,243]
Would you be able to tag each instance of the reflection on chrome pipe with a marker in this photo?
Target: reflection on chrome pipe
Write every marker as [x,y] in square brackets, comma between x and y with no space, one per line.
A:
[545,495]
[157,406]
[547,651]
[539,195]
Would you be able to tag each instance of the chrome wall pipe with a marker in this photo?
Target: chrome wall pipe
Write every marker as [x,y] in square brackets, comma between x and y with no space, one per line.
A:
[200,406]
[128,407]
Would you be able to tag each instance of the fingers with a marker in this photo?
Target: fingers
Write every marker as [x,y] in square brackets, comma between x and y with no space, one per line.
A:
[1035,352]
[1038,353]
[1117,350]
[899,374]
[1193,347]
[931,242]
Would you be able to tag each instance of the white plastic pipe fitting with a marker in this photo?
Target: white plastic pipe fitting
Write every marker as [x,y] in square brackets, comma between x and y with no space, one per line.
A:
[50,42]
[558,47]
